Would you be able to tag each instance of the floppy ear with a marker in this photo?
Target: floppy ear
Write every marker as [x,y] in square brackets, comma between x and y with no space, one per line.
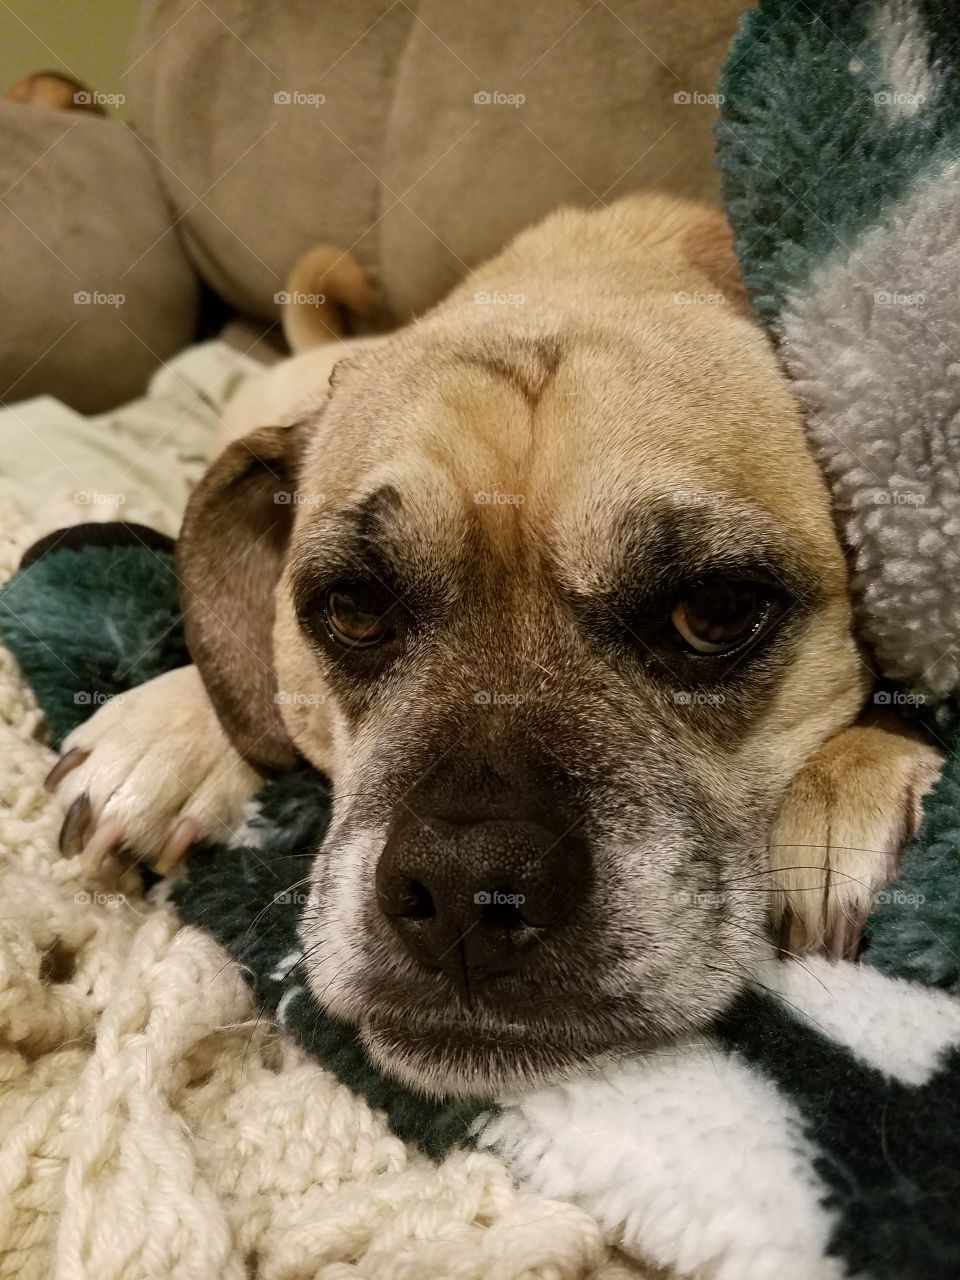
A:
[230,557]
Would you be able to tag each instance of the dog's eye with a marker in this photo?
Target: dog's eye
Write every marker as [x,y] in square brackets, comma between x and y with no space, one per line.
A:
[360,616]
[717,617]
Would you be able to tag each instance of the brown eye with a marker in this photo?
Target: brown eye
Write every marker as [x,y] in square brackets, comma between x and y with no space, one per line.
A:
[716,617]
[360,616]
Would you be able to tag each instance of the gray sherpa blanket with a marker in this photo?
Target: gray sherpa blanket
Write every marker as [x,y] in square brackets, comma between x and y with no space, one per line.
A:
[840,148]
[813,1133]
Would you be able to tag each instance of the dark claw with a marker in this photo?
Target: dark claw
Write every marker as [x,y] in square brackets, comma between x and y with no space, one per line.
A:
[64,766]
[73,833]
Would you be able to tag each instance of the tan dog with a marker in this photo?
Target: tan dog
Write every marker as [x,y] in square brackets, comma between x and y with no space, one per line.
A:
[550,587]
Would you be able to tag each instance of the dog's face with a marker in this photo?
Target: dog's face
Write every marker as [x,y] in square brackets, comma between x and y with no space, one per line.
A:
[562,611]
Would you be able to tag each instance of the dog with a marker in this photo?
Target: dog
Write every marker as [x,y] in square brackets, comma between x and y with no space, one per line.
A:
[548,584]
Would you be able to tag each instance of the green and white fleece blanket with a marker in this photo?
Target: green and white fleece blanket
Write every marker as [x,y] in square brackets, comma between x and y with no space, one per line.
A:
[814,1131]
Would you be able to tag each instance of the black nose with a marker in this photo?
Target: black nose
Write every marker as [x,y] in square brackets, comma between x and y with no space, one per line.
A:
[474,899]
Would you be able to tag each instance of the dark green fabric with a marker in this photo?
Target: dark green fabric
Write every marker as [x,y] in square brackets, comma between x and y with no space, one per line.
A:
[808,158]
[812,161]
[90,623]
[915,930]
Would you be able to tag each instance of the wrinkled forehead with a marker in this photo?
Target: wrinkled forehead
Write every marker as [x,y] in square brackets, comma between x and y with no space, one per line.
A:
[564,456]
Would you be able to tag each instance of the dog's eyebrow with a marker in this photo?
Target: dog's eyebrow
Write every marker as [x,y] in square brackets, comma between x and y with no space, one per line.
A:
[372,522]
[359,538]
[662,545]
[371,518]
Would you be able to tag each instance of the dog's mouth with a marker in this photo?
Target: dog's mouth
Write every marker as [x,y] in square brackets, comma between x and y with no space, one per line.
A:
[475,1050]
[463,1061]
[504,1038]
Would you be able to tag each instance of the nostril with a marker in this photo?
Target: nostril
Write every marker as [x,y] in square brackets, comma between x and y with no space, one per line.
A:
[419,904]
[502,909]
[408,899]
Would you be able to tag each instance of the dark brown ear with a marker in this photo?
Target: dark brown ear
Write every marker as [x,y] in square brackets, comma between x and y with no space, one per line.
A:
[230,557]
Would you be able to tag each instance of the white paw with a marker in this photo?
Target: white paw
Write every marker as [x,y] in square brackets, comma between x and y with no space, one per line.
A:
[151,772]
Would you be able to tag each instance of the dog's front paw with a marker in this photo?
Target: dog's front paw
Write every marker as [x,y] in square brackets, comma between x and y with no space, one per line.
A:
[839,833]
[150,773]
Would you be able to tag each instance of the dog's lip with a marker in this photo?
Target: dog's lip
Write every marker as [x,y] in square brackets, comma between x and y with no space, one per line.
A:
[502,1005]
[434,1020]
[475,1066]
[450,1024]
[488,1055]
[450,1035]
[444,1015]
[451,1015]
[475,1061]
